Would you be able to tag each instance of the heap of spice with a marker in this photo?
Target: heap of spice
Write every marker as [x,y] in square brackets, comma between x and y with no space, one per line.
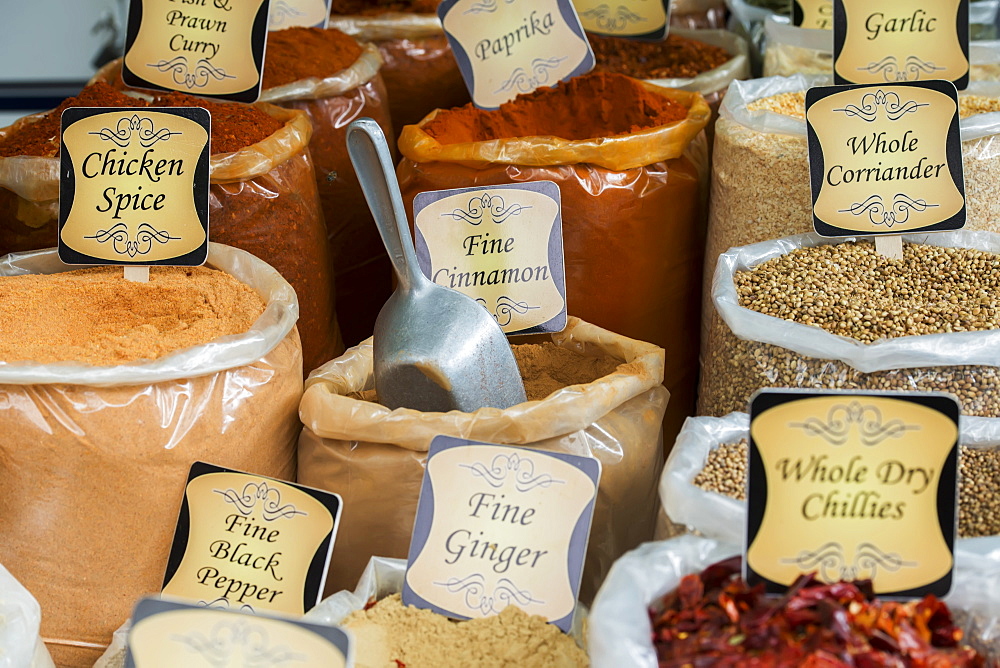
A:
[714,618]
[725,473]
[304,53]
[375,7]
[95,316]
[596,111]
[677,57]
[390,635]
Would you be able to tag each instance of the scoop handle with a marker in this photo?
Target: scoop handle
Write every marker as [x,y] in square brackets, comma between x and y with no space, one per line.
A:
[369,153]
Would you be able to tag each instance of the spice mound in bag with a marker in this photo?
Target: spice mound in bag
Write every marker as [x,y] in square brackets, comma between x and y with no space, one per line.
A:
[262,197]
[335,80]
[94,458]
[804,312]
[374,457]
[698,14]
[420,71]
[628,158]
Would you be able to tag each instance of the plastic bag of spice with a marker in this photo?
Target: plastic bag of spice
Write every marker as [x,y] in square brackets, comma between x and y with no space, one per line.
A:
[620,632]
[746,350]
[94,458]
[420,71]
[592,393]
[704,481]
[20,617]
[262,198]
[697,14]
[760,165]
[630,174]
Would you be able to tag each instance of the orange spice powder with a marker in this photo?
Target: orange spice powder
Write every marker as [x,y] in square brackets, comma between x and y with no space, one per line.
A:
[301,53]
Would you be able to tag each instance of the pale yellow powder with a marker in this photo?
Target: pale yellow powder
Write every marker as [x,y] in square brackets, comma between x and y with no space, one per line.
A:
[794,104]
[390,635]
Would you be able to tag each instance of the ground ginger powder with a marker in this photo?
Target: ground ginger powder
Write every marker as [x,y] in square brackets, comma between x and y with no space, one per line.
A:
[391,635]
[94,316]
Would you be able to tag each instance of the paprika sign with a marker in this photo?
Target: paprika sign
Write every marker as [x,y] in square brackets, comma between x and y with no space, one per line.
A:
[252,543]
[499,526]
[502,246]
[507,48]
[134,186]
[853,486]
[210,48]
[635,19]
[166,634]
[900,40]
[885,159]
[299,13]
[814,14]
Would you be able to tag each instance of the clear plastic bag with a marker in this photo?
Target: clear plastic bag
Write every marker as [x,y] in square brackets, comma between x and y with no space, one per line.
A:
[713,84]
[20,618]
[94,459]
[262,199]
[420,72]
[620,632]
[637,196]
[745,350]
[723,518]
[353,447]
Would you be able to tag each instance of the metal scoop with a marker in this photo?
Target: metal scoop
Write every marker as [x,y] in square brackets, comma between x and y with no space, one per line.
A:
[435,349]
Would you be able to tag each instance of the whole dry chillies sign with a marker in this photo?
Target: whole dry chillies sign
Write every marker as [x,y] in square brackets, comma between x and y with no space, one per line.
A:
[134,186]
[885,159]
[506,48]
[211,48]
[853,486]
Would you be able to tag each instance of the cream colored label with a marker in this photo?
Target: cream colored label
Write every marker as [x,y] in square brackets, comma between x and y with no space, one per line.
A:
[303,13]
[816,14]
[501,532]
[899,40]
[203,47]
[250,541]
[211,638]
[513,47]
[493,245]
[134,177]
[885,159]
[622,18]
[852,488]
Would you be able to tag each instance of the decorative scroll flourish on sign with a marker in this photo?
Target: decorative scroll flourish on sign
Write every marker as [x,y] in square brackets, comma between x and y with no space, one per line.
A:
[506,309]
[485,6]
[268,498]
[478,207]
[231,640]
[842,419]
[127,128]
[140,244]
[913,69]
[497,472]
[832,564]
[204,72]
[612,20]
[541,68]
[894,107]
[898,214]
[473,587]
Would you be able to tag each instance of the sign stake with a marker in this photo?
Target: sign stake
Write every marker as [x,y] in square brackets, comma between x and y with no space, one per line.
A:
[137,274]
[889,245]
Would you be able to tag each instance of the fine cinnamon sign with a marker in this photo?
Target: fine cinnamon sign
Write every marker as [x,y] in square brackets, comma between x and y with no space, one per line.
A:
[498,526]
[885,159]
[210,48]
[814,14]
[635,19]
[507,48]
[251,543]
[166,634]
[501,246]
[299,13]
[853,485]
[134,186]
[900,40]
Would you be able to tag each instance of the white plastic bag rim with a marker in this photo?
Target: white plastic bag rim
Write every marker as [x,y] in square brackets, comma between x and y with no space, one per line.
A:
[363,70]
[742,93]
[929,350]
[227,352]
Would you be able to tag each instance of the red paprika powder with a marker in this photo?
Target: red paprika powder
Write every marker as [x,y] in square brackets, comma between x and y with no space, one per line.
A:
[301,53]
[676,58]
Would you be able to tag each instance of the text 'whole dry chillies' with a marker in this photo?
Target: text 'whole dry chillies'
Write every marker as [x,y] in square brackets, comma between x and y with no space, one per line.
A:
[714,618]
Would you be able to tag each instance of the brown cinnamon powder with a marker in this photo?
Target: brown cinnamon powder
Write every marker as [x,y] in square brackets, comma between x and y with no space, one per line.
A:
[94,316]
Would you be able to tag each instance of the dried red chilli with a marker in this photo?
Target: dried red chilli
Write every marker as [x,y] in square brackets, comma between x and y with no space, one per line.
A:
[715,619]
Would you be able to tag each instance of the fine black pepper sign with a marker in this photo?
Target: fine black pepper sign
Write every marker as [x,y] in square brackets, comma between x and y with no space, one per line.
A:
[134,186]
[497,526]
[501,246]
[814,14]
[251,543]
[299,13]
[853,486]
[166,634]
[900,40]
[210,48]
[507,48]
[885,159]
[647,20]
